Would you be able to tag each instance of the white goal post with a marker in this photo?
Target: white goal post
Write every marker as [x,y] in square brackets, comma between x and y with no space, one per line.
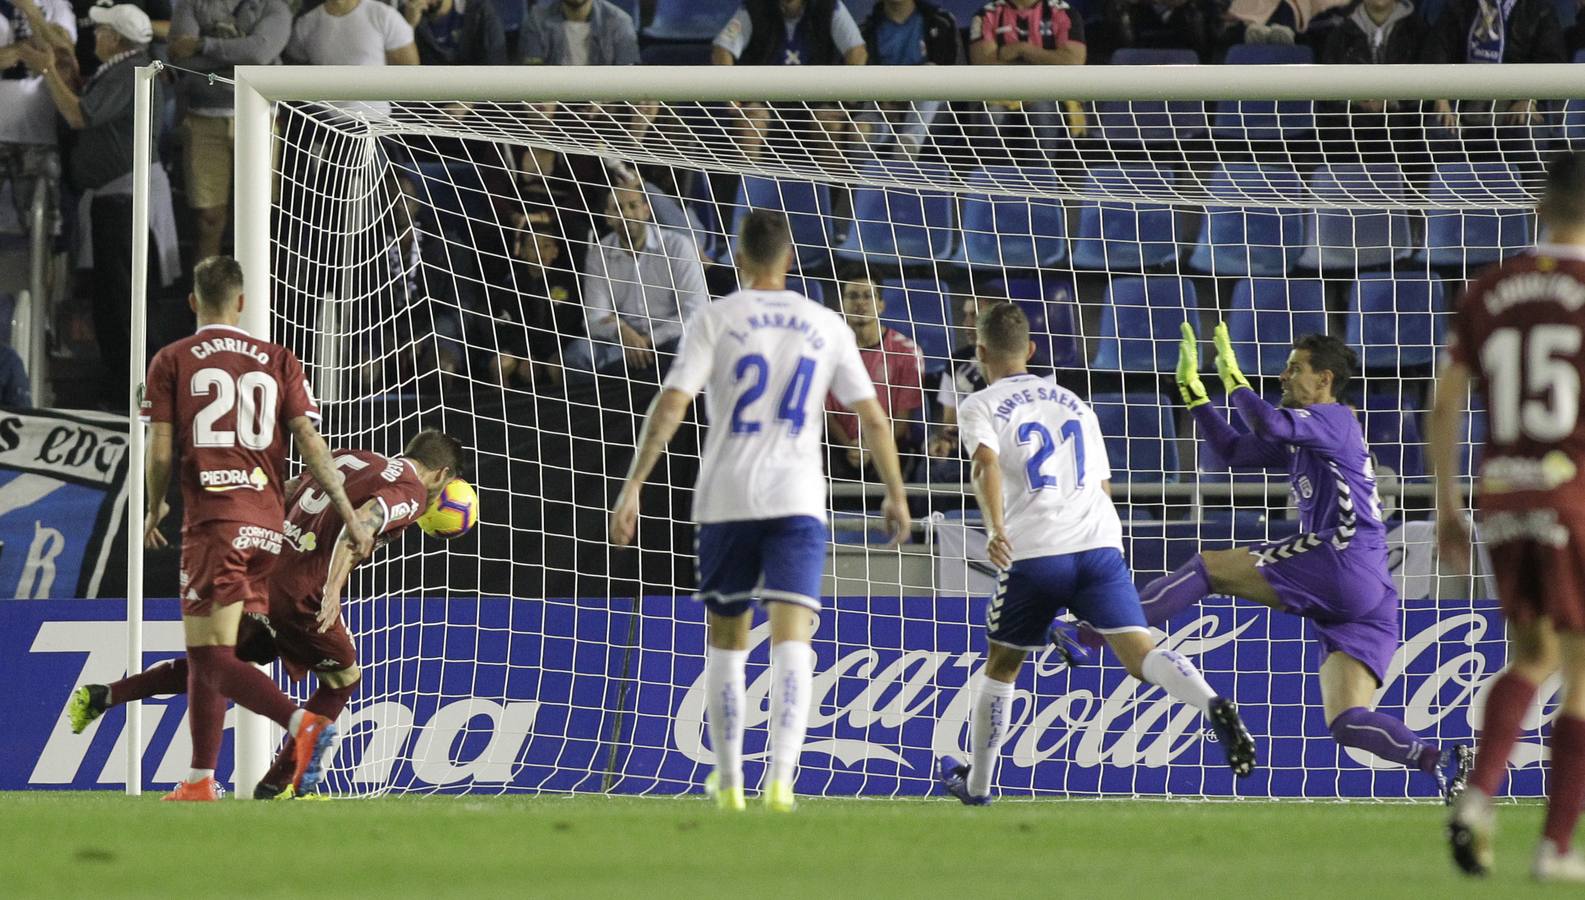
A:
[260,88]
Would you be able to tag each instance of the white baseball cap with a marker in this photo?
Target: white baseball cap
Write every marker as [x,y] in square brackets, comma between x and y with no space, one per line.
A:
[127,20]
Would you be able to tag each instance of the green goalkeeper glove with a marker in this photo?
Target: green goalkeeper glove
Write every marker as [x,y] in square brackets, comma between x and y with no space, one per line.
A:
[1226,362]
[1189,383]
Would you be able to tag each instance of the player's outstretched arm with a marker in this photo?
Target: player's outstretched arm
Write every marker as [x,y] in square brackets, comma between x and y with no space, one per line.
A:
[157,480]
[343,559]
[316,456]
[1238,450]
[1266,421]
[1447,408]
[877,431]
[660,424]
[987,478]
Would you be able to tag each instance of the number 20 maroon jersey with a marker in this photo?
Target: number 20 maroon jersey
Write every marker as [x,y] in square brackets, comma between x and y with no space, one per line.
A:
[228,396]
[1520,329]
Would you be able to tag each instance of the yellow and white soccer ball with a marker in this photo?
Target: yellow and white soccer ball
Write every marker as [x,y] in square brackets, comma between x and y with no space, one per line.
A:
[453,513]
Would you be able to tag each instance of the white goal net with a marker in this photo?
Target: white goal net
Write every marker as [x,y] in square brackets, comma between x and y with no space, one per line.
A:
[517,274]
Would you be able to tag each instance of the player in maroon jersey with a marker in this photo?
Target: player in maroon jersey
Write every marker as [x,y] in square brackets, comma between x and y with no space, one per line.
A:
[304,627]
[1519,339]
[226,401]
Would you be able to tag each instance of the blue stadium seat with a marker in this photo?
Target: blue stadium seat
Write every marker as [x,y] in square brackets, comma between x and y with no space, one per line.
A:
[808,208]
[1140,434]
[1139,323]
[1267,314]
[699,197]
[1123,235]
[1264,120]
[1250,240]
[1003,229]
[1147,122]
[922,309]
[1349,239]
[1464,238]
[1053,323]
[1392,433]
[893,226]
[689,21]
[1395,323]
[809,287]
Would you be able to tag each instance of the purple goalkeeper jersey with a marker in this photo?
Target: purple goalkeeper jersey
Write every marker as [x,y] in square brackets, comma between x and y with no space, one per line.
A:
[1323,449]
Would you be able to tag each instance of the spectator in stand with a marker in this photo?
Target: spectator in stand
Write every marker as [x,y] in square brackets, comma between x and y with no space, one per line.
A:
[27,115]
[100,168]
[579,33]
[456,32]
[1574,37]
[910,33]
[424,326]
[1500,31]
[1029,32]
[212,36]
[962,378]
[1283,21]
[539,310]
[895,365]
[354,33]
[1163,25]
[641,282]
[1383,32]
[791,33]
[16,392]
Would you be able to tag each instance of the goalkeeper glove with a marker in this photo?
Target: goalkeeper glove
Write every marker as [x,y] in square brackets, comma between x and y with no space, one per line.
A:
[1189,383]
[1226,362]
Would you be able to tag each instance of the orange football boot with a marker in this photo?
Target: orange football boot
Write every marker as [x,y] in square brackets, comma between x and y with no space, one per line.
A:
[313,741]
[206,791]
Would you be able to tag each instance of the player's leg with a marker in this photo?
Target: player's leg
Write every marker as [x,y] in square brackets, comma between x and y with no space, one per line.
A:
[333,691]
[1556,860]
[1347,691]
[793,558]
[728,559]
[1231,571]
[90,701]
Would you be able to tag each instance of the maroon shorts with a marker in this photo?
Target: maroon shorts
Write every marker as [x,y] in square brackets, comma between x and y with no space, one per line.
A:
[295,640]
[225,563]
[1538,557]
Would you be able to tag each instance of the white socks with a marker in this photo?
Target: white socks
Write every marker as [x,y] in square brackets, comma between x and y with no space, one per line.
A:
[791,668]
[987,727]
[196,775]
[723,684]
[1172,672]
[295,723]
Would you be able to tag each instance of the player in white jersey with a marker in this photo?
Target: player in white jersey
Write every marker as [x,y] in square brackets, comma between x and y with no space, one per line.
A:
[1042,480]
[768,356]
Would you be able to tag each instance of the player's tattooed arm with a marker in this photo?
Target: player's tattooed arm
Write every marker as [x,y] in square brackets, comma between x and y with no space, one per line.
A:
[157,480]
[660,424]
[316,456]
[343,560]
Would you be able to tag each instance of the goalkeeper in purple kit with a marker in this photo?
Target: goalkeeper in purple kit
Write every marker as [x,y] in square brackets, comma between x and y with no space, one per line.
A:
[1334,572]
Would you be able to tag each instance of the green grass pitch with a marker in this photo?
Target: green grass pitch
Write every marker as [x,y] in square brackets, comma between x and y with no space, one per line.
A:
[109,845]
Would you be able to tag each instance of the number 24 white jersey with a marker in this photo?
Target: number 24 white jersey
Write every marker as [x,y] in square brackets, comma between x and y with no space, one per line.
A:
[767,359]
[1053,461]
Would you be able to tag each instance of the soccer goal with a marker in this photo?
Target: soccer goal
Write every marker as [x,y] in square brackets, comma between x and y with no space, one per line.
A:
[443,248]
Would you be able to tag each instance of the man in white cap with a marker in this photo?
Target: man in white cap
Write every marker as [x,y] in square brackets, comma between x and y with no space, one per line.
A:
[100,167]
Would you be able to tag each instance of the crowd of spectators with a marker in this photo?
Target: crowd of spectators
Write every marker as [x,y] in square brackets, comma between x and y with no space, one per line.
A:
[599,262]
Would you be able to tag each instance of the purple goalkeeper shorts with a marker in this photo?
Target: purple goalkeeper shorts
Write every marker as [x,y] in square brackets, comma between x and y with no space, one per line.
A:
[1348,594]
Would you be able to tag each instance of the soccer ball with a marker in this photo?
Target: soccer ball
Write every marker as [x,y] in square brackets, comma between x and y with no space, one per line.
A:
[454,512]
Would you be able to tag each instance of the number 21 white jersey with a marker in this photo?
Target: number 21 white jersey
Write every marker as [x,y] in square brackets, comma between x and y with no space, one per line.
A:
[1053,460]
[767,359]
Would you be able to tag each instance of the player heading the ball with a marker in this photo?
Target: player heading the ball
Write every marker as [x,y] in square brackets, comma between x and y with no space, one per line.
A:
[304,628]
[226,401]
[1042,480]
[1519,339]
[769,357]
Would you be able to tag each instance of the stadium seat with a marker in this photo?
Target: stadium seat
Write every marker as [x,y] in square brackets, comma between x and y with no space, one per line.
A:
[922,309]
[1267,314]
[699,197]
[1146,122]
[1123,235]
[689,21]
[1053,325]
[1250,240]
[809,287]
[1349,239]
[1393,433]
[808,208]
[893,226]
[1463,238]
[1264,120]
[1139,323]
[1395,323]
[1003,229]
[1140,434]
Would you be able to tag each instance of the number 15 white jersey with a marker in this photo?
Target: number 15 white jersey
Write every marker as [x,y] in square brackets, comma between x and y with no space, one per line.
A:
[1053,461]
[767,359]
